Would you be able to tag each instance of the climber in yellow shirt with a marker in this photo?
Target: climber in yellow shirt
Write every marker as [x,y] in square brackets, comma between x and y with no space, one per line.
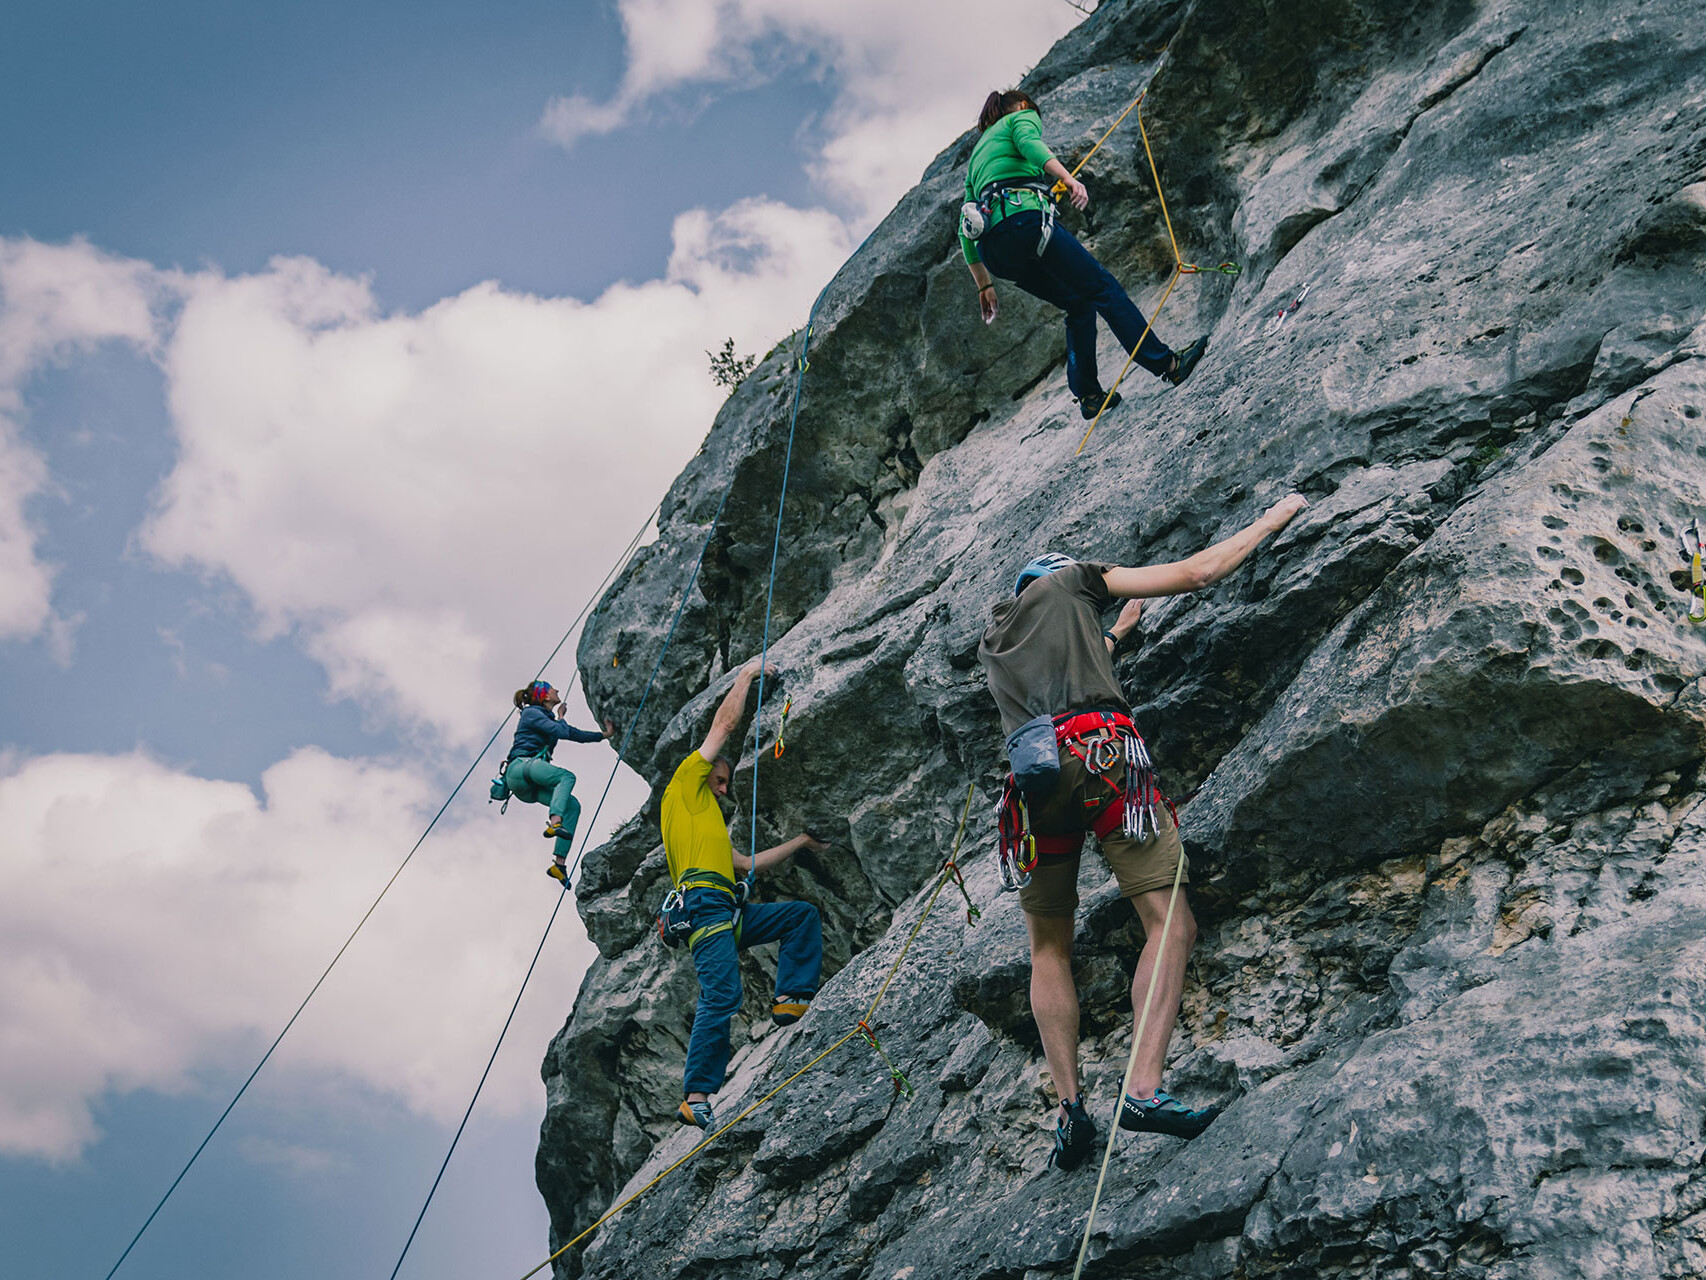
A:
[703,864]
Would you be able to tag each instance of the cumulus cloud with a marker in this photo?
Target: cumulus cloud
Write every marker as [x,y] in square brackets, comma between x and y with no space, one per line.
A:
[55,300]
[185,935]
[427,498]
[908,78]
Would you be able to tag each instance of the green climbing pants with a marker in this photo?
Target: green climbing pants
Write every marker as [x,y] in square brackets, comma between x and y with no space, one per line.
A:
[534,781]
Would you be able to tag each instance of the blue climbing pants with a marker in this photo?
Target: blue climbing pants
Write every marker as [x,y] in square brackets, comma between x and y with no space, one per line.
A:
[535,781]
[717,961]
[1070,278]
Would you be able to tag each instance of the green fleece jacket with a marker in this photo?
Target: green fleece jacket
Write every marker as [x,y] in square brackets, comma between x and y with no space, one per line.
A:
[1010,148]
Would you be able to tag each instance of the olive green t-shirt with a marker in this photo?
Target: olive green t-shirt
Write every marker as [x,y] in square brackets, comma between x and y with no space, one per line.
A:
[1044,652]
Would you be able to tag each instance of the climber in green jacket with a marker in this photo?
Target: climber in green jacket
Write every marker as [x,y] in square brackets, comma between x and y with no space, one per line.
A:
[1016,238]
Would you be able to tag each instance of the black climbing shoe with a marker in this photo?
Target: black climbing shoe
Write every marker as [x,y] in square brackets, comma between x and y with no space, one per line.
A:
[554,830]
[1165,1114]
[785,1011]
[1074,1138]
[1097,402]
[558,872]
[697,1114]
[1186,360]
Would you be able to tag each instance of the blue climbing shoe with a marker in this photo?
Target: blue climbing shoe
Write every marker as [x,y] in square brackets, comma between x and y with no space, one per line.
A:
[1164,1114]
[1074,1137]
[1097,402]
[1186,360]
[697,1114]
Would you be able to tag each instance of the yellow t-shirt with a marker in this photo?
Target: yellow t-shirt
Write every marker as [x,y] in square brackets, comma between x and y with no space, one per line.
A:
[694,833]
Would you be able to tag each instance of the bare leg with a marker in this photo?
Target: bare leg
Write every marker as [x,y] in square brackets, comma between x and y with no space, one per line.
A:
[1054,998]
[1170,953]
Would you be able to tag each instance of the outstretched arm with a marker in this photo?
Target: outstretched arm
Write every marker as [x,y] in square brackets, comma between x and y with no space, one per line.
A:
[768,858]
[732,711]
[1207,566]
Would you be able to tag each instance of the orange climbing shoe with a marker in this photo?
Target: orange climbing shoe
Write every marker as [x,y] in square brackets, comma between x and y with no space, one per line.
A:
[787,1010]
[698,1114]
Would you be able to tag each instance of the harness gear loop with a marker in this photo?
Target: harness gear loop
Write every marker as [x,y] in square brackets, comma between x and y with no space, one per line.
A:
[1017,846]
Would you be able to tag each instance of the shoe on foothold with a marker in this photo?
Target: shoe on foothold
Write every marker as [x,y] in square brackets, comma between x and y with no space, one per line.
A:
[554,830]
[697,1114]
[787,1010]
[1097,402]
[1074,1138]
[1186,360]
[1164,1114]
[558,872]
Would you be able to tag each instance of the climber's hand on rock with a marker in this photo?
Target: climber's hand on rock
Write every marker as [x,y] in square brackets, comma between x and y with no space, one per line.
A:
[988,304]
[1281,513]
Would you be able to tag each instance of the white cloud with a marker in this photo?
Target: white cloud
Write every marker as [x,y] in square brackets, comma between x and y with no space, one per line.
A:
[54,300]
[908,78]
[183,934]
[430,497]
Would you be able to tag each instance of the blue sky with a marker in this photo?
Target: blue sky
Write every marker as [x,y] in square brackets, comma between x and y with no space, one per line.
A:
[320,336]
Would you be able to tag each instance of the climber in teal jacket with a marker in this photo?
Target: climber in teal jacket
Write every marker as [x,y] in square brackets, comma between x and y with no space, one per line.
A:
[1008,179]
[533,779]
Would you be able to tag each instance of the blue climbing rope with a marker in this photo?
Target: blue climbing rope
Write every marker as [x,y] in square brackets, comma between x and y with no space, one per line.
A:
[474,764]
[568,877]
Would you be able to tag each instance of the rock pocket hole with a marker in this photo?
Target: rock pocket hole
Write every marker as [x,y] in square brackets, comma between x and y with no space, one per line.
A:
[1573,577]
[1605,552]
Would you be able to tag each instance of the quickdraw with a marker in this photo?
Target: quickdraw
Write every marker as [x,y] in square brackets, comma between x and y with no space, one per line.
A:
[897,1077]
[1693,548]
[782,728]
[1225,269]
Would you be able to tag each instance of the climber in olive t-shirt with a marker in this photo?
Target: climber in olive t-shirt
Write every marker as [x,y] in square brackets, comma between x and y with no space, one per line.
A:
[702,864]
[1046,654]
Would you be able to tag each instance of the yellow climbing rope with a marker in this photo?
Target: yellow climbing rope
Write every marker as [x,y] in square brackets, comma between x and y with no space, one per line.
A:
[1180,266]
[1131,1060]
[860,1029]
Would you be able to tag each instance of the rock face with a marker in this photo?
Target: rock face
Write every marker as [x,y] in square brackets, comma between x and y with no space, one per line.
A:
[1445,734]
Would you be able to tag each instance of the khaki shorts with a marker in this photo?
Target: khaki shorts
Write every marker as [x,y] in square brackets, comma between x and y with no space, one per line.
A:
[1072,807]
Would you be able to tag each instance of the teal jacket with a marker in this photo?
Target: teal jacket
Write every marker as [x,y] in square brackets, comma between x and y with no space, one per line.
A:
[1010,148]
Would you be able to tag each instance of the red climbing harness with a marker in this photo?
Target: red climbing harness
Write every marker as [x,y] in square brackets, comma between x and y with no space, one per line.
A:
[1103,741]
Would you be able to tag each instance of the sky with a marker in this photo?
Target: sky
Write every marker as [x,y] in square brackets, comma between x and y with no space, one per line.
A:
[342,350]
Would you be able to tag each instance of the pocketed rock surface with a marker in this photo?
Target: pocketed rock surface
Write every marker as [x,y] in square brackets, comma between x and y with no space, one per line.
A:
[1443,737]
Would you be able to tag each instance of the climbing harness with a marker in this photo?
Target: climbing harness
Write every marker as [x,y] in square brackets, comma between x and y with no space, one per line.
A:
[675,922]
[861,1029]
[787,706]
[1693,548]
[1002,197]
[1104,741]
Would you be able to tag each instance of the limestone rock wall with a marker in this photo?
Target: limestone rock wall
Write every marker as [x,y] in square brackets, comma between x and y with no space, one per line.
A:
[1444,735]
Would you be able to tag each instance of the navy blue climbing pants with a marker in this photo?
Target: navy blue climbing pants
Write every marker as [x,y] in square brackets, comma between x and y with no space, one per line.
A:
[717,961]
[541,782]
[1070,278]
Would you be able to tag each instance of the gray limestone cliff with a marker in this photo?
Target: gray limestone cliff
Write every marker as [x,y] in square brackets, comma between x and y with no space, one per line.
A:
[1443,736]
